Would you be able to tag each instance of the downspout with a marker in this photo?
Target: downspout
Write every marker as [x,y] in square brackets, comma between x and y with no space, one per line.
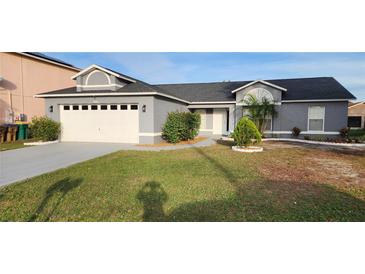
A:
[22,86]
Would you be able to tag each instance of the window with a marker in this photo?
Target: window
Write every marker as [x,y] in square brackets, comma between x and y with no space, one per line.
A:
[113,107]
[84,107]
[75,107]
[316,118]
[354,121]
[66,107]
[103,107]
[134,107]
[124,107]
[94,107]
[268,124]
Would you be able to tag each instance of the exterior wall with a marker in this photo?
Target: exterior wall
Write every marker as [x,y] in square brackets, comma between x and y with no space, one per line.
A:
[150,122]
[291,115]
[23,77]
[146,119]
[358,110]
[296,115]
[162,106]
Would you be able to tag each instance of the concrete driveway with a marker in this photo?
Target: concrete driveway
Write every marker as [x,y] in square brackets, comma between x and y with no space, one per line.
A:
[23,163]
[20,164]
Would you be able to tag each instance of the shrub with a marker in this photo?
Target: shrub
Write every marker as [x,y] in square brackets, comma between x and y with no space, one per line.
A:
[246,133]
[306,138]
[181,126]
[193,124]
[295,131]
[344,132]
[45,128]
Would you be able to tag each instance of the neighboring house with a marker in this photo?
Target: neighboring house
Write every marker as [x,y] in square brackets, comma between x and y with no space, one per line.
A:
[24,74]
[107,106]
[356,115]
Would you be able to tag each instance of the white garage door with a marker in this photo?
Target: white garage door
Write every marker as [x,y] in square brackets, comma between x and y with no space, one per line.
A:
[113,123]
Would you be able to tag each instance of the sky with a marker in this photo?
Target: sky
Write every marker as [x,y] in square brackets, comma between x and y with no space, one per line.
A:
[164,67]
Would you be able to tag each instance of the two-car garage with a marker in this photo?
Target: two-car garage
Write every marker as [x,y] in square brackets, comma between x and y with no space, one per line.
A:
[114,123]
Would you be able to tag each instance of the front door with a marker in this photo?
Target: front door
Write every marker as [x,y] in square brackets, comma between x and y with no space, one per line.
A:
[220,121]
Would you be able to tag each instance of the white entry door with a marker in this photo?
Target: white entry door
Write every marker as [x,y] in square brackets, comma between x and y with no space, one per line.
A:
[112,123]
[219,121]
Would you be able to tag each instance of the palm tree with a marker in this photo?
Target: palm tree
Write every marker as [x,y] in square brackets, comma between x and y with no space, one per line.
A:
[259,110]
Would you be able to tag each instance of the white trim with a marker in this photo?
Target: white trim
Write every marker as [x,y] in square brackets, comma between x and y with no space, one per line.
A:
[93,72]
[305,132]
[205,129]
[84,94]
[303,141]
[171,97]
[99,86]
[48,61]
[259,81]
[315,100]
[217,102]
[360,103]
[103,69]
[150,134]
[210,106]
[243,104]
[314,142]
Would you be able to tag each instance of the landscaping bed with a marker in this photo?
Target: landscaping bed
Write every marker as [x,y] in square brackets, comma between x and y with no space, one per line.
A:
[188,142]
[197,184]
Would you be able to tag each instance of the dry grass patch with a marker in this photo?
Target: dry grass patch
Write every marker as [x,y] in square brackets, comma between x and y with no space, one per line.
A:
[164,143]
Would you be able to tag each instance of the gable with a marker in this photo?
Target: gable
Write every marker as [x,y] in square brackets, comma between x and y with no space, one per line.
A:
[259,90]
[96,79]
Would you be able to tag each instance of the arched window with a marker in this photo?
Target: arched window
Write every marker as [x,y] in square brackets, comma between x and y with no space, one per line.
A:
[260,94]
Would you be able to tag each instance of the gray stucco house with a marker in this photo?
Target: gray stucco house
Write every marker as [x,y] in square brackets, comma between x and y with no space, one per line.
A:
[107,106]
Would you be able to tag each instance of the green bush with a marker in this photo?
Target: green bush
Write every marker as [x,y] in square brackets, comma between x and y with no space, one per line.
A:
[295,131]
[45,128]
[344,132]
[246,133]
[181,126]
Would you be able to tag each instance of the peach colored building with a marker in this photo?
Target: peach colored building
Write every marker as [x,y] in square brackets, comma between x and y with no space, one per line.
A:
[356,115]
[22,75]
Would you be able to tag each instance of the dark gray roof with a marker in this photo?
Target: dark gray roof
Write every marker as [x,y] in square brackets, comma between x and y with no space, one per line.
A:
[44,56]
[320,88]
[132,87]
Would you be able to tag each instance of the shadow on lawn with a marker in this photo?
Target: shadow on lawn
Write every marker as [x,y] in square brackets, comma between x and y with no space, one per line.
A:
[153,196]
[61,188]
[262,200]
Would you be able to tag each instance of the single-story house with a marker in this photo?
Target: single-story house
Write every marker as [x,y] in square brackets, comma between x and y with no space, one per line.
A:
[356,115]
[107,106]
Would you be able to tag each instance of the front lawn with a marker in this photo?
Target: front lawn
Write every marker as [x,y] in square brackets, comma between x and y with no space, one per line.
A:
[283,183]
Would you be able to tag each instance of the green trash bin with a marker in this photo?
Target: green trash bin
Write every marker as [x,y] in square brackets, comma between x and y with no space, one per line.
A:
[22,132]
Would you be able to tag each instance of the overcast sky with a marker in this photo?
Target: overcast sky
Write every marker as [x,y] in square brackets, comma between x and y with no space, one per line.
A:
[155,68]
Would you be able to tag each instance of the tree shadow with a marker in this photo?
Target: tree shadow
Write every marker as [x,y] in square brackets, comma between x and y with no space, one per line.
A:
[258,200]
[62,187]
[5,84]
[153,196]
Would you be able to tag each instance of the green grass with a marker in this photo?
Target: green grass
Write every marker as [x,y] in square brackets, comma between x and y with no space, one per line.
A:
[202,184]
[13,145]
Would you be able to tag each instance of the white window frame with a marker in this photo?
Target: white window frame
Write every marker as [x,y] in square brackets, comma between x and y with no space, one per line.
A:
[324,116]
[270,124]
